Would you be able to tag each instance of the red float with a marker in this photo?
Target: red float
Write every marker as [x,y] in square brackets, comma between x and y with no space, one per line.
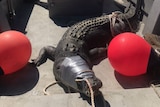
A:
[129,54]
[15,51]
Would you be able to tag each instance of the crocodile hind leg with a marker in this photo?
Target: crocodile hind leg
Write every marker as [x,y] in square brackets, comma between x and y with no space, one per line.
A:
[45,53]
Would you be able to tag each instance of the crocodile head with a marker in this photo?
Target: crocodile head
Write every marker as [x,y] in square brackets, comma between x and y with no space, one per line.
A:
[84,85]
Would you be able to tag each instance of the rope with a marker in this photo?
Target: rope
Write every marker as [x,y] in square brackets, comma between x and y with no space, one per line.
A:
[112,19]
[157,52]
[91,90]
[48,86]
[154,88]
[131,28]
[88,83]
[111,26]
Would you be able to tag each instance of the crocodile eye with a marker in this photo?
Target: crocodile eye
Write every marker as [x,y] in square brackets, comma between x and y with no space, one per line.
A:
[88,93]
[94,83]
[58,67]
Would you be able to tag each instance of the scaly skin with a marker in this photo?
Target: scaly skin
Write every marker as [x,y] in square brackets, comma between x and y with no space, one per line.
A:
[82,45]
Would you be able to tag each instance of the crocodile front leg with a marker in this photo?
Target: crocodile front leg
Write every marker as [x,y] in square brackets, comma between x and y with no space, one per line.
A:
[96,55]
[45,53]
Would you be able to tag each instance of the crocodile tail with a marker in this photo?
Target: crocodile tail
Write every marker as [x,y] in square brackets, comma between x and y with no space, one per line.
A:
[130,9]
[134,10]
[134,15]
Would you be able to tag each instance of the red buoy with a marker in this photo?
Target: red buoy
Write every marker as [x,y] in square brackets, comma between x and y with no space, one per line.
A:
[129,54]
[15,51]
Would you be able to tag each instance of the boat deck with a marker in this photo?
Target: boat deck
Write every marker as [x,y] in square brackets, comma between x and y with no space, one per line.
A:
[25,87]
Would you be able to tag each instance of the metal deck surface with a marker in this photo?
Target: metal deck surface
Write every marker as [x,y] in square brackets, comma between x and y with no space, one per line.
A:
[25,87]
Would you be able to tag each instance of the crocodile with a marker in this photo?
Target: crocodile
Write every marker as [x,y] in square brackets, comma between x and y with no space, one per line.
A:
[84,45]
